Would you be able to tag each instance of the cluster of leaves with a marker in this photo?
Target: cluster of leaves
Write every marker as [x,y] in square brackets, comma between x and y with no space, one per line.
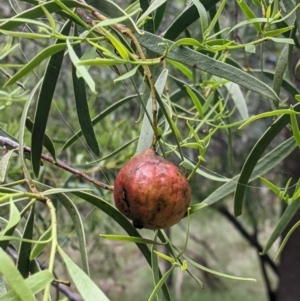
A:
[101,34]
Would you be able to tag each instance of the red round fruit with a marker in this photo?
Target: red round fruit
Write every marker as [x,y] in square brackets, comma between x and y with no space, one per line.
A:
[151,191]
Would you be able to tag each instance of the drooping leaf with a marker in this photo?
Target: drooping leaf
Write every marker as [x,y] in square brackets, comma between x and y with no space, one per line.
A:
[201,267]
[82,108]
[23,262]
[255,155]
[238,98]
[146,135]
[44,103]
[4,161]
[124,238]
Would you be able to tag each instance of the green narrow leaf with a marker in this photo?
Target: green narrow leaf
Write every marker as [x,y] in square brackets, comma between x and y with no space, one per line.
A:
[14,217]
[154,264]
[23,262]
[295,129]
[113,10]
[47,140]
[128,74]
[201,267]
[195,101]
[82,106]
[38,248]
[270,185]
[79,228]
[215,19]
[146,135]
[14,278]
[203,16]
[36,61]
[285,218]
[160,12]
[182,68]
[4,161]
[81,70]
[249,13]
[238,99]
[203,62]
[44,103]
[254,156]
[161,282]
[140,240]
[280,69]
[84,284]
[286,238]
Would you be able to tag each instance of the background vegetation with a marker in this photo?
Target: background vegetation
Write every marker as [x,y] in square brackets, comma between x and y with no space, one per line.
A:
[77,95]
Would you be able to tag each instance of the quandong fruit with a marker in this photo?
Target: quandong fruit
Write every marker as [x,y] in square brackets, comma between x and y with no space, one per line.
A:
[151,191]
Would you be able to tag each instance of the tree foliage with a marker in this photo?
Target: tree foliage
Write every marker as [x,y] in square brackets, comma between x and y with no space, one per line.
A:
[190,93]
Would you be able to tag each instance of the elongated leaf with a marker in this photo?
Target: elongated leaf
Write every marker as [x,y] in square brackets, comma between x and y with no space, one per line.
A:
[38,248]
[140,240]
[264,165]
[160,283]
[4,161]
[23,262]
[200,61]
[84,284]
[280,69]
[254,156]
[36,61]
[44,103]
[146,135]
[201,267]
[113,10]
[14,217]
[238,98]
[14,278]
[82,108]
[285,218]
[79,228]
[37,12]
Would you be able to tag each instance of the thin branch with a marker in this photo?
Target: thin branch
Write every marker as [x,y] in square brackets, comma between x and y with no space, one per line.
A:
[147,72]
[10,144]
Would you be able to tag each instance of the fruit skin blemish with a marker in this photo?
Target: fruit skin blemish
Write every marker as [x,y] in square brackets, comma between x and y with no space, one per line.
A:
[151,191]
